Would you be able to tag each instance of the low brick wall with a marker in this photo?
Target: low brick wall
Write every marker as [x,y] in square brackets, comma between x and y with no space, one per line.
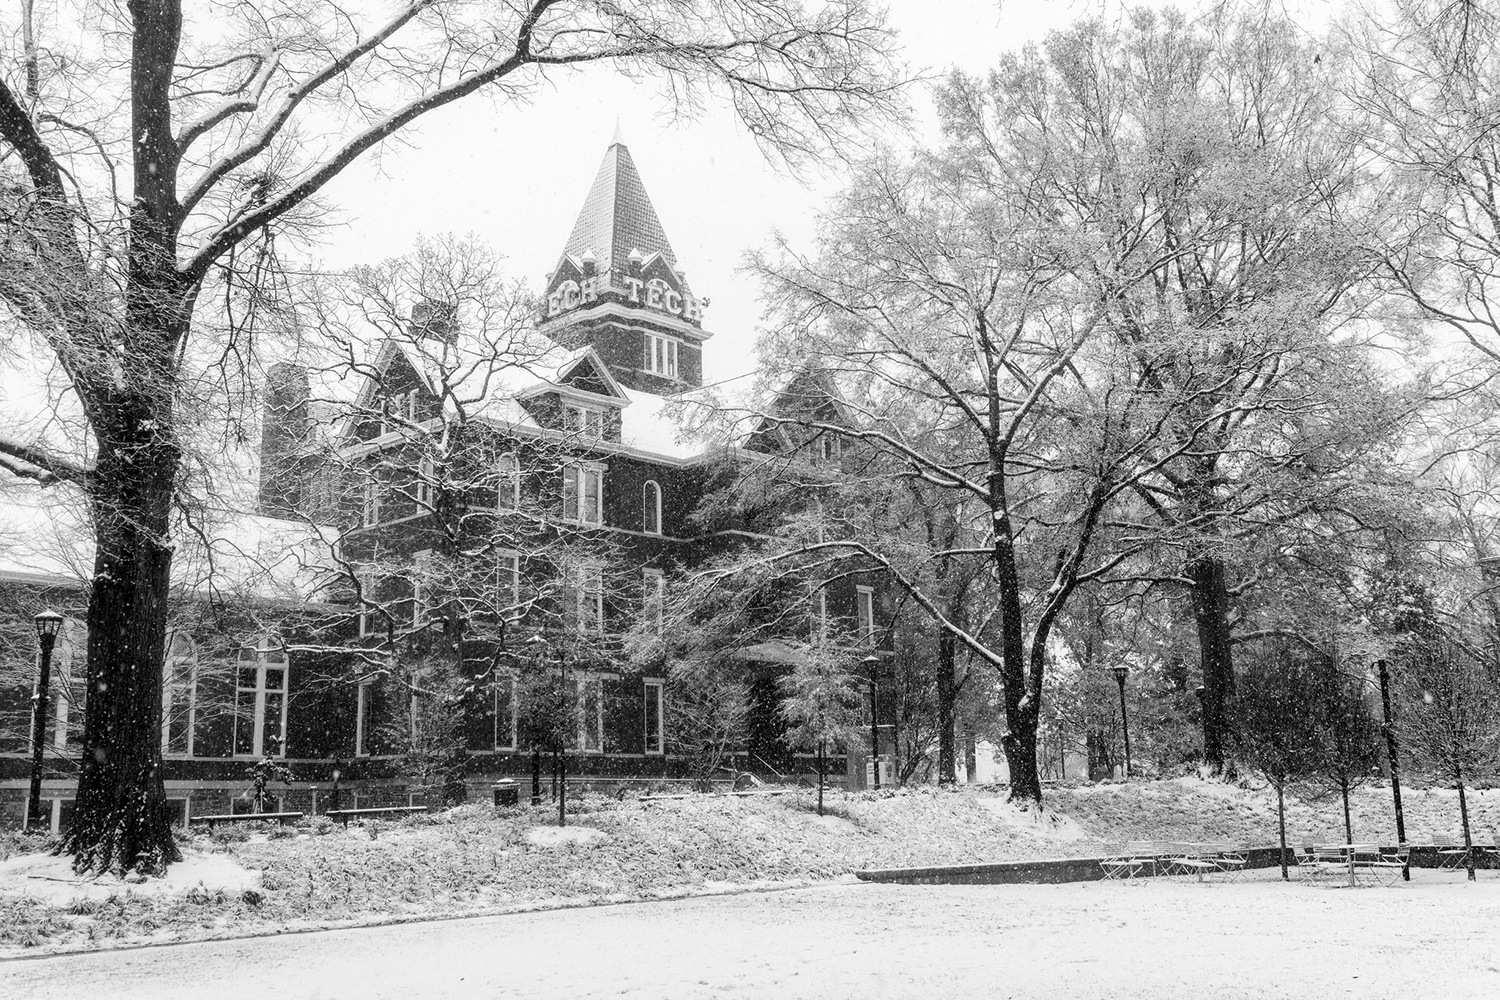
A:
[1057,870]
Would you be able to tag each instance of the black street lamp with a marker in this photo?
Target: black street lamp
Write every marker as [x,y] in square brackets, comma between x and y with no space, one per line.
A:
[536,647]
[334,793]
[562,739]
[871,664]
[1393,754]
[1120,675]
[48,624]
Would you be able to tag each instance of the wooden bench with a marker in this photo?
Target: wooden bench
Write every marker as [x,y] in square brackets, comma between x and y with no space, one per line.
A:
[343,815]
[283,818]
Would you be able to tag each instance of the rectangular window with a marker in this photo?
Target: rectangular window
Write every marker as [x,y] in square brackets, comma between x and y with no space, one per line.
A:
[585,421]
[508,482]
[507,582]
[370,502]
[179,695]
[421,588]
[661,355]
[505,711]
[583,494]
[369,621]
[362,707]
[654,596]
[260,701]
[590,691]
[400,410]
[864,613]
[830,447]
[655,737]
[588,597]
[425,490]
[820,616]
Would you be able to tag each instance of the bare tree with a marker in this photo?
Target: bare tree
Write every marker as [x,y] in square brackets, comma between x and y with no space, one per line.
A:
[162,158]
[1449,720]
[1276,706]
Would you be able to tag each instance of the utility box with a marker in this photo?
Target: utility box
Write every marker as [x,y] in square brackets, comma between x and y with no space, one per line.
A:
[506,794]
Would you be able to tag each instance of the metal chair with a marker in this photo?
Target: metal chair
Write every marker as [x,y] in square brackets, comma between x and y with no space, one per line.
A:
[1117,863]
[1231,860]
[1452,854]
[1144,852]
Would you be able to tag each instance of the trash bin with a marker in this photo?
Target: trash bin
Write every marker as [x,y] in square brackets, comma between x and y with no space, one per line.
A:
[506,793]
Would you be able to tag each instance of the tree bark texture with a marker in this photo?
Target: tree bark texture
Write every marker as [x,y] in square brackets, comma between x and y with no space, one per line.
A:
[120,821]
[1281,828]
[947,694]
[1210,595]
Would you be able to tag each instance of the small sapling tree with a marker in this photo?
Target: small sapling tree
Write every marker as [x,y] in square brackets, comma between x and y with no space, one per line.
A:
[820,703]
[1450,720]
[1348,739]
[1275,731]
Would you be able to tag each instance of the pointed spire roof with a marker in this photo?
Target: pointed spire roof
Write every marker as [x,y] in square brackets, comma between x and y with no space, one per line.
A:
[617,216]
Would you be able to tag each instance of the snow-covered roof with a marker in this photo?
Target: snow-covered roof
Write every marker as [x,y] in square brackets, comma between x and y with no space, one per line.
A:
[45,538]
[489,386]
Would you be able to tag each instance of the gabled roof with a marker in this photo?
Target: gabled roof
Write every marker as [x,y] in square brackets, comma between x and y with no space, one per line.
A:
[618,217]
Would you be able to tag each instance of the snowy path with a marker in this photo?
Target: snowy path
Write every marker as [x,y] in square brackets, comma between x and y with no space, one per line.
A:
[1434,938]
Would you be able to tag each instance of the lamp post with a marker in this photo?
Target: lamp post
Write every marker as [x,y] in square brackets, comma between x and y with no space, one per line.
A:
[1120,674]
[562,739]
[1392,753]
[871,664]
[535,646]
[334,795]
[48,624]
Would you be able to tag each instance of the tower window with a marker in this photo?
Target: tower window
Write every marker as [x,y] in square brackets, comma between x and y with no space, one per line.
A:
[651,507]
[661,355]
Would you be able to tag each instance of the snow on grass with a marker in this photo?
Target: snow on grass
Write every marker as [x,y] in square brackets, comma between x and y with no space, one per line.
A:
[560,836]
[51,879]
[472,859]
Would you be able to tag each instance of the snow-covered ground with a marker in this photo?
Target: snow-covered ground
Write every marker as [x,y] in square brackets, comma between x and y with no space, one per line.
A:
[1152,940]
[49,878]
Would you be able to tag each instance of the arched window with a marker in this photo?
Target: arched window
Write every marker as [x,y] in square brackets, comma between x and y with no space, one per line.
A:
[179,696]
[260,700]
[651,507]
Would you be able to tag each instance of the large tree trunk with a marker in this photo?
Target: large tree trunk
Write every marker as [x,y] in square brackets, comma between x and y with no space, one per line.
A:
[947,695]
[1022,706]
[1210,593]
[120,821]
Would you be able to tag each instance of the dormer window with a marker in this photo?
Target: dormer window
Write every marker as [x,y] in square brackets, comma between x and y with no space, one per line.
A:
[400,410]
[585,421]
[661,356]
[830,447]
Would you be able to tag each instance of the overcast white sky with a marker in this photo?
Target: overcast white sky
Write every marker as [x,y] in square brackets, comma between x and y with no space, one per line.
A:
[516,175]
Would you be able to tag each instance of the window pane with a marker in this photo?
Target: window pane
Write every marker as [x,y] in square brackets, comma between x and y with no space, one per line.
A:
[505,715]
[271,738]
[595,480]
[247,677]
[570,492]
[275,679]
[653,718]
[244,723]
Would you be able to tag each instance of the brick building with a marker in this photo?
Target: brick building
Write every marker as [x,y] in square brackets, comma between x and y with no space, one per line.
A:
[462,522]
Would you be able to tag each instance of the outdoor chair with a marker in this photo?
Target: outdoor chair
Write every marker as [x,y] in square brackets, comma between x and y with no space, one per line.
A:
[1386,868]
[1451,853]
[1144,851]
[1231,860]
[1118,864]
[1326,863]
[1189,859]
